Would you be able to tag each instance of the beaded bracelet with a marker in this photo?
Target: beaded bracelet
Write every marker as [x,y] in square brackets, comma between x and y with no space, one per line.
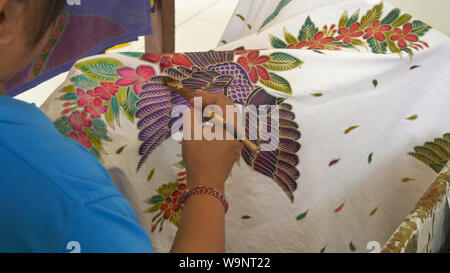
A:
[203,190]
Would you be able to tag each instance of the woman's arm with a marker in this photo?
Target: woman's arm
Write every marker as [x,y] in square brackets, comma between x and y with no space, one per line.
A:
[208,163]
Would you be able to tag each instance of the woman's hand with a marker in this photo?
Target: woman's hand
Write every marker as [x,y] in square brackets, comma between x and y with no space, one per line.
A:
[209,163]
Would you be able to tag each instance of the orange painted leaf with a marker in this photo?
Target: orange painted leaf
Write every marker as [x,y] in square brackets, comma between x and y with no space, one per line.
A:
[407,179]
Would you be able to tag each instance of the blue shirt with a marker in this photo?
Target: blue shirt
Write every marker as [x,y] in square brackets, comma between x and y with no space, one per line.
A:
[54,194]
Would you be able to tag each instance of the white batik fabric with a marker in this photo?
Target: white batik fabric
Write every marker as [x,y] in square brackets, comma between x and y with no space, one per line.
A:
[361,90]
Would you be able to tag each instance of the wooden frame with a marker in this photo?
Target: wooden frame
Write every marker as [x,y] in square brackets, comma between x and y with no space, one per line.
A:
[163,24]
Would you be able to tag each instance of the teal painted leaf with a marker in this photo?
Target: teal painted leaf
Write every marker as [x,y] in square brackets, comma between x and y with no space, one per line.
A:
[376,46]
[96,153]
[420,28]
[370,158]
[127,100]
[101,69]
[280,61]
[275,13]
[302,216]
[132,54]
[277,42]
[63,126]
[156,199]
[352,247]
[98,130]
[391,17]
[277,83]
[83,82]
[353,19]
[308,31]
[69,96]
[375,83]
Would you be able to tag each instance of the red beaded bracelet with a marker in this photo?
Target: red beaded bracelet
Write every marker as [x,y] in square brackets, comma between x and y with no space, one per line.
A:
[203,190]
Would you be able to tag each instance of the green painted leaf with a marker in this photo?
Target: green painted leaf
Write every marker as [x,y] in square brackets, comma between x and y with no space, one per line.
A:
[375,83]
[249,26]
[167,189]
[370,158]
[101,69]
[373,211]
[343,20]
[155,208]
[83,82]
[152,172]
[413,117]
[67,89]
[289,37]
[95,141]
[277,42]
[405,18]
[317,94]
[371,16]
[353,19]
[155,199]
[127,100]
[69,96]
[120,150]
[358,42]
[98,130]
[302,216]
[391,17]
[115,106]
[63,125]
[377,46]
[308,31]
[275,13]
[351,129]
[240,17]
[352,247]
[277,83]
[112,115]
[132,54]
[391,44]
[281,61]
[420,28]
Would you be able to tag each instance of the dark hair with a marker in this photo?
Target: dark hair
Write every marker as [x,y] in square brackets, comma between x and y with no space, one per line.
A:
[42,18]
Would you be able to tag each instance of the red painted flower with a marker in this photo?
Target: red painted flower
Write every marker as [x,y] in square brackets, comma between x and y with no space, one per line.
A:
[85,97]
[137,78]
[106,90]
[402,36]
[348,34]
[81,137]
[167,60]
[252,63]
[297,46]
[319,42]
[79,120]
[96,108]
[377,31]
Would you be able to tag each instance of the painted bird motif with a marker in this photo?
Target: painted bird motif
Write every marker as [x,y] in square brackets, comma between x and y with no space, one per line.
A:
[216,72]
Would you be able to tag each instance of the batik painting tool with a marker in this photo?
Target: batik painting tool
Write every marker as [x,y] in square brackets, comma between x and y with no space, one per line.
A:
[188,95]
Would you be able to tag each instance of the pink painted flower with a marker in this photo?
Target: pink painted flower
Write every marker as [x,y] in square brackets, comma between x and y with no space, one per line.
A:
[85,98]
[137,77]
[106,90]
[319,41]
[79,120]
[252,63]
[402,36]
[81,137]
[348,34]
[167,60]
[377,31]
[96,108]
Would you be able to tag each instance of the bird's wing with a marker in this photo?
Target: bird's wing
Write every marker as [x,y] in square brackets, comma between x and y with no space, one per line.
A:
[281,162]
